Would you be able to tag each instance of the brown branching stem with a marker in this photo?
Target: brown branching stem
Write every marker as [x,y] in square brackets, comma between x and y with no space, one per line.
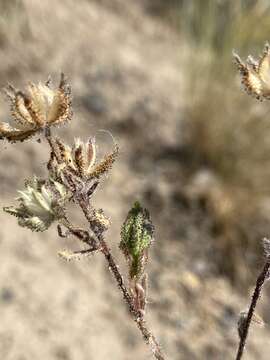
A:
[83,201]
[81,234]
[255,297]
[148,336]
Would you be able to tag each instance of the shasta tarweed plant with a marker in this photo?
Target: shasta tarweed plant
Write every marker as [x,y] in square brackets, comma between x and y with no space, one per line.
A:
[255,76]
[74,175]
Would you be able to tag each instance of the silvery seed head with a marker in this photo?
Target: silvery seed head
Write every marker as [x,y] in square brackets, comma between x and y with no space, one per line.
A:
[39,204]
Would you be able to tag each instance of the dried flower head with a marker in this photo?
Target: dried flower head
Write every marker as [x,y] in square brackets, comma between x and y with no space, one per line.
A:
[40,204]
[80,159]
[39,107]
[256,74]
[136,238]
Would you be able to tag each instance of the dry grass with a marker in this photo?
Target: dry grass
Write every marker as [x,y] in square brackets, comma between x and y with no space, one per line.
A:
[229,132]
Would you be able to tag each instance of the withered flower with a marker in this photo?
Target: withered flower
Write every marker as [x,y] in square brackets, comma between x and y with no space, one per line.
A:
[80,159]
[40,204]
[39,107]
[256,74]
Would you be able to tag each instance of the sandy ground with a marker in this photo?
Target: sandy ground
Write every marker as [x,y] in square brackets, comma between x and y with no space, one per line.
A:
[126,73]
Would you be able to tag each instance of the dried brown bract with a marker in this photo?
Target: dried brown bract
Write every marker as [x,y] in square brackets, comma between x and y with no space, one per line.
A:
[39,107]
[80,159]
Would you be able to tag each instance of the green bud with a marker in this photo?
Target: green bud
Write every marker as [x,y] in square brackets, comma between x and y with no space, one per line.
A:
[136,238]
[39,204]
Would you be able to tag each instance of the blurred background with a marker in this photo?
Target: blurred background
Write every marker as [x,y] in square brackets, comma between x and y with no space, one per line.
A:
[195,150]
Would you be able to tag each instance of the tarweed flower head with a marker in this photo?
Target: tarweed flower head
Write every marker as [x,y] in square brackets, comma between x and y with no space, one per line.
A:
[80,159]
[39,107]
[39,204]
[256,74]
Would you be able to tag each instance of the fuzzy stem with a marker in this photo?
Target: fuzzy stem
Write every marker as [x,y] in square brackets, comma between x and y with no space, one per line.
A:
[255,297]
[83,202]
[81,234]
[148,336]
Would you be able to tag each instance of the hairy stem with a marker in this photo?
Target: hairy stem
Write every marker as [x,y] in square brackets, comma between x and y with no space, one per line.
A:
[147,334]
[81,234]
[83,201]
[255,297]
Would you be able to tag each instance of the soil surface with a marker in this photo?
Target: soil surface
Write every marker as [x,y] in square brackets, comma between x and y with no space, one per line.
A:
[127,75]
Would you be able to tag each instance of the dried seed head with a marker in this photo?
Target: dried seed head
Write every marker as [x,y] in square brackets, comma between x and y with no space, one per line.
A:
[84,155]
[81,159]
[40,107]
[256,74]
[78,159]
[136,238]
[40,204]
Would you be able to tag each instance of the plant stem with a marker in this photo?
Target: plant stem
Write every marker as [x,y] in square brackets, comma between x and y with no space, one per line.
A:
[148,336]
[83,201]
[255,297]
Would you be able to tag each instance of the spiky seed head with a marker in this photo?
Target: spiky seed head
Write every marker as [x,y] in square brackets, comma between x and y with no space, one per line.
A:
[256,74]
[73,158]
[80,159]
[84,155]
[39,107]
[39,204]
[104,165]
[136,238]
